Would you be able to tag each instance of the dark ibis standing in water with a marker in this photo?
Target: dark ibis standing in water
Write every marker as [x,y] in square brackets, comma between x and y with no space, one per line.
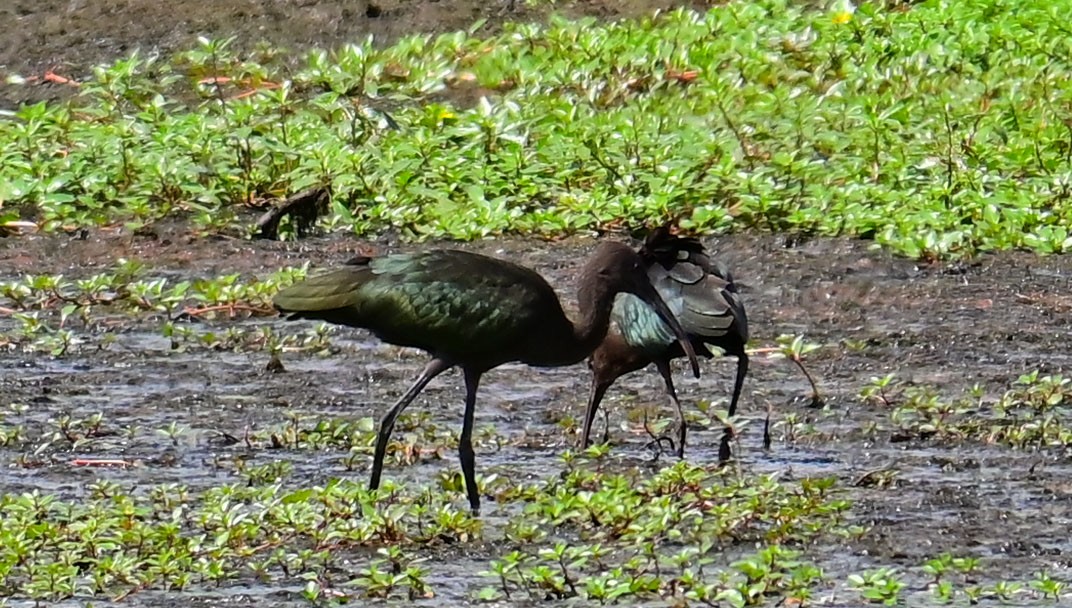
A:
[704,299]
[474,312]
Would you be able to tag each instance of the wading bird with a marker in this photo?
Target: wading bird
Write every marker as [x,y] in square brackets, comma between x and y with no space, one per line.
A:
[474,312]
[703,298]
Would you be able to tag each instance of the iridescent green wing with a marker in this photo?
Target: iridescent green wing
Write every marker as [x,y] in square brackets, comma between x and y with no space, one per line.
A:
[454,301]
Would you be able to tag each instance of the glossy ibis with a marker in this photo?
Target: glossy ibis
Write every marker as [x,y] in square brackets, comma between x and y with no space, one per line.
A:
[474,312]
[704,299]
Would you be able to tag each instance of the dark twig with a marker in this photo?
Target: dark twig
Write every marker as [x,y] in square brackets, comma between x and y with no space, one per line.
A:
[305,207]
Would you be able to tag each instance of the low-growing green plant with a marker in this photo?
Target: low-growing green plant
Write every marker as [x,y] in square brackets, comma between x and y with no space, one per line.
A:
[1030,414]
[881,390]
[765,115]
[795,348]
[881,586]
[45,305]
[633,532]
[170,538]
[1048,586]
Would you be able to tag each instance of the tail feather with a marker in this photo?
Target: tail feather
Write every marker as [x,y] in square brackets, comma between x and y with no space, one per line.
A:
[336,289]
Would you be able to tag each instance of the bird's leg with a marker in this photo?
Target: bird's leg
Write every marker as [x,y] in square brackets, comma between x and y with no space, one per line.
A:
[387,423]
[725,452]
[595,396]
[465,444]
[682,426]
[738,383]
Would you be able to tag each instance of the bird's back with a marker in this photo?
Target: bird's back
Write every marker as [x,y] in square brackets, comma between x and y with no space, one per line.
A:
[460,305]
[699,291]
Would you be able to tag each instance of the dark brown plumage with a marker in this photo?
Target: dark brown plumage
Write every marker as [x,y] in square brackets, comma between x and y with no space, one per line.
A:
[704,299]
[474,312]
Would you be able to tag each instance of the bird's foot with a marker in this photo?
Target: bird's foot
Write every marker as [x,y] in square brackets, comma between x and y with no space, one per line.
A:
[657,443]
[725,452]
[677,448]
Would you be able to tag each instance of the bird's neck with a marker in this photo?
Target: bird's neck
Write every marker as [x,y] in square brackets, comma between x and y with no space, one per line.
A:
[594,302]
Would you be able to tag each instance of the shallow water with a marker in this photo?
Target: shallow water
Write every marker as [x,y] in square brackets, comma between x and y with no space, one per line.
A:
[1010,507]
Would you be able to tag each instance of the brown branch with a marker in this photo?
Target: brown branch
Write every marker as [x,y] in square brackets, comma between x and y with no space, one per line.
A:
[100,462]
[230,308]
[305,207]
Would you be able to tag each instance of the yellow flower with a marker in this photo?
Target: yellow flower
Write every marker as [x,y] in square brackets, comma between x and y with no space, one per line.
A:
[842,17]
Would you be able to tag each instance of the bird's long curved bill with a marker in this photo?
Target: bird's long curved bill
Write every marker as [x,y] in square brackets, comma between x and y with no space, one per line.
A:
[652,297]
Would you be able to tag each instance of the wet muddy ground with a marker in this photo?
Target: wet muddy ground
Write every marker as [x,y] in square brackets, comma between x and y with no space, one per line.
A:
[948,326]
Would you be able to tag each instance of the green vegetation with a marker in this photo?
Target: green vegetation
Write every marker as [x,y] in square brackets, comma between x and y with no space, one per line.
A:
[1032,414]
[58,315]
[661,537]
[114,543]
[169,537]
[680,535]
[937,130]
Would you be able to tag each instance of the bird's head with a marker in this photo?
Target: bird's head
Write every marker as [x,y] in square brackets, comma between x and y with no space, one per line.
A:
[615,268]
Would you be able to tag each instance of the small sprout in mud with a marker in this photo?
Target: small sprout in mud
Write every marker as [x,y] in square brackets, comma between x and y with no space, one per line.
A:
[795,348]
[129,270]
[596,451]
[265,474]
[974,593]
[568,458]
[790,423]
[452,482]
[506,570]
[938,566]
[1048,586]
[355,459]
[878,586]
[104,488]
[31,324]
[395,570]
[16,291]
[173,431]
[490,594]
[568,424]
[879,390]
[312,592]
[11,435]
[854,533]
[923,413]
[1006,590]
[966,565]
[943,591]
[74,431]
[59,343]
[857,346]
[176,334]
[521,531]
